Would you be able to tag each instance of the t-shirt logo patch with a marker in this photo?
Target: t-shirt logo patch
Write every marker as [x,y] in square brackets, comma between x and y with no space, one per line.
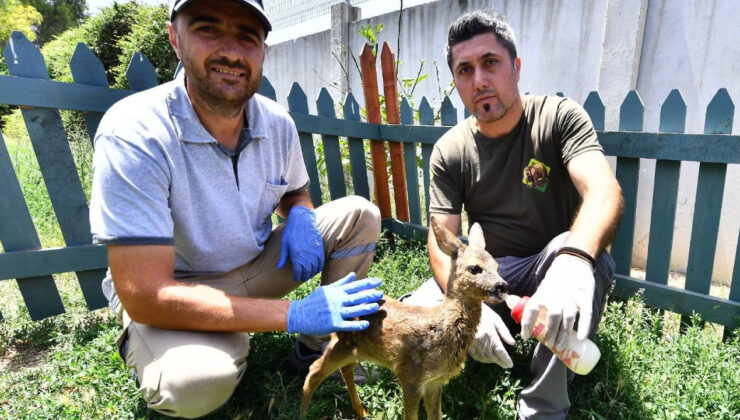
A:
[536,175]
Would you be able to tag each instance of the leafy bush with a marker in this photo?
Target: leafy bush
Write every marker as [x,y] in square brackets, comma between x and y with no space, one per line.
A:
[13,125]
[100,33]
[149,35]
[114,36]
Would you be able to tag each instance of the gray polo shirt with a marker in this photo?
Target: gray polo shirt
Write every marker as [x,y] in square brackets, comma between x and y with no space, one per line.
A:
[161,178]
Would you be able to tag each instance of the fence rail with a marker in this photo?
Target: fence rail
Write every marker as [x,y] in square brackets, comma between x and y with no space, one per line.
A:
[28,86]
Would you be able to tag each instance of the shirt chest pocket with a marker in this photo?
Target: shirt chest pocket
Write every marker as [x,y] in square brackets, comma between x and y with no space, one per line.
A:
[271,195]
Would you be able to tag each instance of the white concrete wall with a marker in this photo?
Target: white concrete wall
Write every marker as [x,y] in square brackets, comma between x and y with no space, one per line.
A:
[691,46]
[574,47]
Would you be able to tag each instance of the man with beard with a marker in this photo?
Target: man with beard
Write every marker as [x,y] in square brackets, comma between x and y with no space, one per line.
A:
[548,229]
[186,178]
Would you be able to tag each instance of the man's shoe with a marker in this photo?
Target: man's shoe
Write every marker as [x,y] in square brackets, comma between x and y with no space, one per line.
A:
[302,357]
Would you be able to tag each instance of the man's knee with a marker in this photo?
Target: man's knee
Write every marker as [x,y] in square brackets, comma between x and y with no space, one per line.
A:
[195,390]
[367,213]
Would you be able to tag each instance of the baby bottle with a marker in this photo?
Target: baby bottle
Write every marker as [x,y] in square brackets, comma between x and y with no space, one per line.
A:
[579,355]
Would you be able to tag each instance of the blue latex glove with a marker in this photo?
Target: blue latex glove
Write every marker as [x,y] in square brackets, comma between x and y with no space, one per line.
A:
[302,242]
[328,308]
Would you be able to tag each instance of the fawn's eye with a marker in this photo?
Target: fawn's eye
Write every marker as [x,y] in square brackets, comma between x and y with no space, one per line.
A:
[474,269]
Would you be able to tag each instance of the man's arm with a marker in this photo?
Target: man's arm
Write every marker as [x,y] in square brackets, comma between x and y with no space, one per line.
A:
[440,261]
[145,284]
[568,287]
[596,223]
[298,198]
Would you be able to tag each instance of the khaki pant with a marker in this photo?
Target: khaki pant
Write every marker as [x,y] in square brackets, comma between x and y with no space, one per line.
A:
[188,373]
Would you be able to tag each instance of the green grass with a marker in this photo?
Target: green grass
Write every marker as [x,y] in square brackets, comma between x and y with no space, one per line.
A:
[67,366]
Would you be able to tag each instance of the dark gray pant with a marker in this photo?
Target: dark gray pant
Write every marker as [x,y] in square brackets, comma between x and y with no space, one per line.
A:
[547,396]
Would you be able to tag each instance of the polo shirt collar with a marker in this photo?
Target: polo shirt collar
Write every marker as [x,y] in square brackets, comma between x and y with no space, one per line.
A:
[188,126]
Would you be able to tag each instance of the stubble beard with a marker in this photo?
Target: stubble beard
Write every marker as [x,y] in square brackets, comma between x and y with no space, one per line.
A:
[489,113]
[226,104]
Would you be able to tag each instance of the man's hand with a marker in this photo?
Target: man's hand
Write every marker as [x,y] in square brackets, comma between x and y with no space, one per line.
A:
[302,243]
[487,346]
[566,290]
[331,308]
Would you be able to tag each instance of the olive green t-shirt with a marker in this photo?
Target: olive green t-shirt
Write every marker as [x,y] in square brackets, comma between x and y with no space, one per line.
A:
[517,186]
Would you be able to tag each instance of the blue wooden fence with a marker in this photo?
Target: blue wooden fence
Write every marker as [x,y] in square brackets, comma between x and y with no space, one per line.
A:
[29,86]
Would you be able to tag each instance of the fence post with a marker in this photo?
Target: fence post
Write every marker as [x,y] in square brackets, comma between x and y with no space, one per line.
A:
[388,64]
[342,14]
[377,147]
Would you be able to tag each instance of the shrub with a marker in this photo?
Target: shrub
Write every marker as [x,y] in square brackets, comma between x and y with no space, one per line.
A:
[148,35]
[100,33]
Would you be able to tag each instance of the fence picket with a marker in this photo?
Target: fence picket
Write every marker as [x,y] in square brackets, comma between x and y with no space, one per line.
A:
[356,149]
[266,89]
[377,147]
[596,110]
[412,169]
[448,113]
[426,117]
[298,103]
[665,194]
[709,191]
[332,153]
[388,66]
[140,73]
[628,170]
[87,69]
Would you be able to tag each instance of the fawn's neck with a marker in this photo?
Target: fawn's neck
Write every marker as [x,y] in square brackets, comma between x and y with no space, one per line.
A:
[461,317]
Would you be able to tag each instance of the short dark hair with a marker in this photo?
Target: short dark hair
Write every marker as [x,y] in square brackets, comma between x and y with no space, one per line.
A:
[479,22]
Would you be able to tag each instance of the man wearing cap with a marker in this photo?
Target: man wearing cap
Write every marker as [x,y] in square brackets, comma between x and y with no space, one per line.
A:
[186,178]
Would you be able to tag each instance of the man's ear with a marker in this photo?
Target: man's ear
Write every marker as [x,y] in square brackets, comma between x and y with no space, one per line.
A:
[172,33]
[517,67]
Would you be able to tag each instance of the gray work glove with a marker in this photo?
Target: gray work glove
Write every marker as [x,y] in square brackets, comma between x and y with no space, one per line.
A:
[487,346]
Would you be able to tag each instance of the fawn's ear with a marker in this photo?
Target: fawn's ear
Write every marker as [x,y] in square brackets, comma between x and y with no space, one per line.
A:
[446,241]
[475,236]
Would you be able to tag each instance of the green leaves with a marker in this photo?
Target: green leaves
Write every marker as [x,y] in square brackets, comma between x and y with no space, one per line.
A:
[17,16]
[371,35]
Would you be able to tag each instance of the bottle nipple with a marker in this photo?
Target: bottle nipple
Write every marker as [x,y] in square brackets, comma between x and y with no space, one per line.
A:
[516,304]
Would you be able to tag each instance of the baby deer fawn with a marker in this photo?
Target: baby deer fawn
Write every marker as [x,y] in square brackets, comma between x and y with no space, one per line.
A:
[424,347]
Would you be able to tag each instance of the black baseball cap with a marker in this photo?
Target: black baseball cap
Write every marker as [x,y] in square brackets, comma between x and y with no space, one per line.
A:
[255,5]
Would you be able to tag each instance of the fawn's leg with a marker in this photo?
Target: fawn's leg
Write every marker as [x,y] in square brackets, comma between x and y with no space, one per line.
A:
[348,374]
[334,356]
[433,400]
[411,398]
